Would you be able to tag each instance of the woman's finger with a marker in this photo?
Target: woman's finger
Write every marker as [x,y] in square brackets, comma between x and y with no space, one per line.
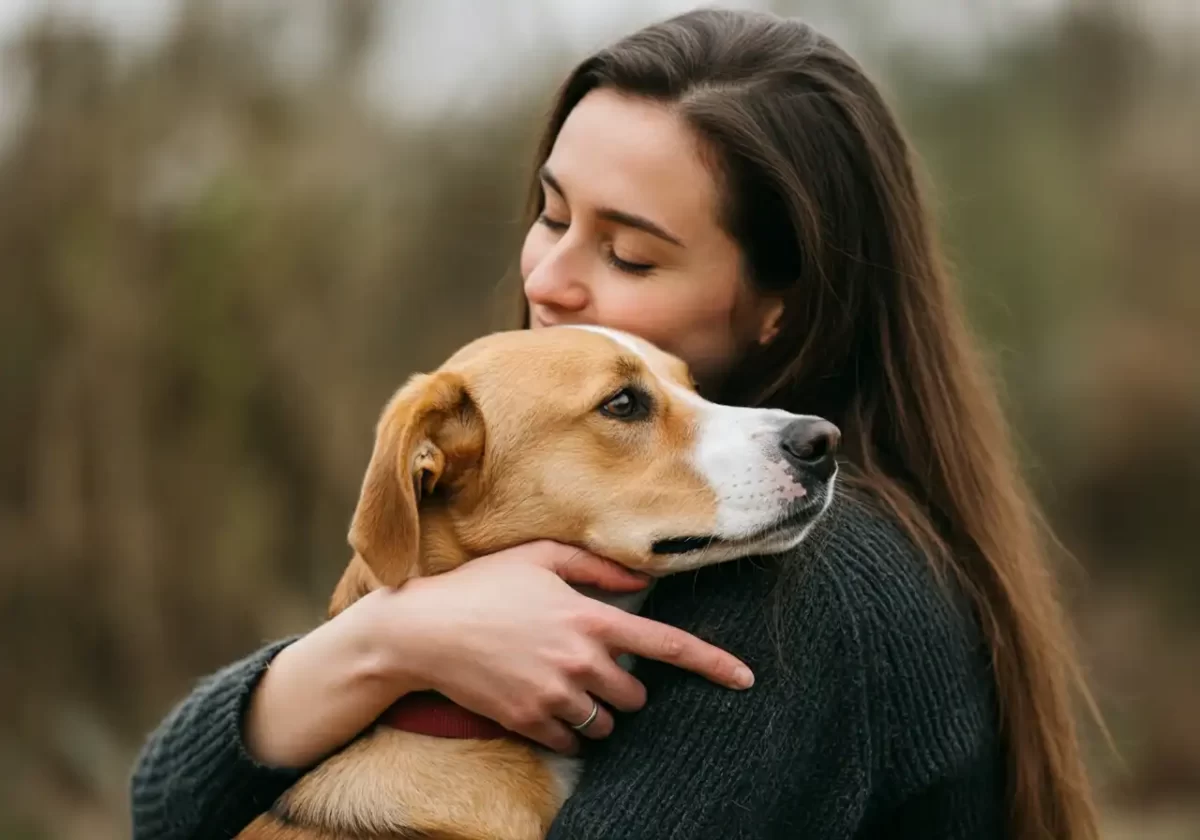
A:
[615,686]
[640,636]
[553,734]
[601,727]
[583,708]
[577,566]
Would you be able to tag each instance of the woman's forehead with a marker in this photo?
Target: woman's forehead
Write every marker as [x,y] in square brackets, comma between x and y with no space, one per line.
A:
[637,156]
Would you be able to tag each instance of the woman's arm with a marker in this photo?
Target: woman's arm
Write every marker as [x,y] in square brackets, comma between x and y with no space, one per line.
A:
[194,777]
[246,733]
[505,636]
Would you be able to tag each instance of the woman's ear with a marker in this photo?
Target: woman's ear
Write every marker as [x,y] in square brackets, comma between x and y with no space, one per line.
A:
[770,316]
[431,426]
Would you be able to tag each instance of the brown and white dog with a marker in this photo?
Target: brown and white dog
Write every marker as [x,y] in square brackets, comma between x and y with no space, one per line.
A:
[582,435]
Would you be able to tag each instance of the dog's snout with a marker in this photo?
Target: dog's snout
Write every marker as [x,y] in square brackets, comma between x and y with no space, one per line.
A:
[809,444]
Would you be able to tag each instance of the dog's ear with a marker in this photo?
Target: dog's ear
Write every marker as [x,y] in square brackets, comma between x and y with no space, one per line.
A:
[430,435]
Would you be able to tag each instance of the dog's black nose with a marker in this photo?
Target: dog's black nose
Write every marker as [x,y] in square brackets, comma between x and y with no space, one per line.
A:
[809,444]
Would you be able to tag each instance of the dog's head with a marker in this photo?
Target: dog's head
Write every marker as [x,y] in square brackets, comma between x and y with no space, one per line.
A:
[590,437]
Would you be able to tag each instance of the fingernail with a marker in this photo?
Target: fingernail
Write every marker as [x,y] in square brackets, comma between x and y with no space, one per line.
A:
[743,677]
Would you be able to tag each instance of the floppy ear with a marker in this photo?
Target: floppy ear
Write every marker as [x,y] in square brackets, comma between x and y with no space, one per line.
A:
[429,434]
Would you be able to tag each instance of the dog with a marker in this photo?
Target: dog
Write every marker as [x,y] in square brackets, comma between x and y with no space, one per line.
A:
[584,435]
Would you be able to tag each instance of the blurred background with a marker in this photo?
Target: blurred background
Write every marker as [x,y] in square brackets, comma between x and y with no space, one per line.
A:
[228,230]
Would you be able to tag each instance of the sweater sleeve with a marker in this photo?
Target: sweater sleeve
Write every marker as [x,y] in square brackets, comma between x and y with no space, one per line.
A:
[194,779]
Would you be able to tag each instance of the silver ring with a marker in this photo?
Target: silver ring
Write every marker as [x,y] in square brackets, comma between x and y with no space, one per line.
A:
[591,718]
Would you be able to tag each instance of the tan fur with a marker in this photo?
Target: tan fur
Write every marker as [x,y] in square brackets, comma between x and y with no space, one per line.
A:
[554,467]
[501,446]
[430,432]
[394,782]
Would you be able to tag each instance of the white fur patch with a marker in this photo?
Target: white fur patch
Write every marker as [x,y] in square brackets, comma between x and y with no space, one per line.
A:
[566,771]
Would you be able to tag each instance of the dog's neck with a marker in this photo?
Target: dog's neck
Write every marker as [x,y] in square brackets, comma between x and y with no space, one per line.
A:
[442,551]
[430,713]
[445,553]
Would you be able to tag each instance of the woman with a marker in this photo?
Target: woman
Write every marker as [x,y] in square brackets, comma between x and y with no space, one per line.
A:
[732,187]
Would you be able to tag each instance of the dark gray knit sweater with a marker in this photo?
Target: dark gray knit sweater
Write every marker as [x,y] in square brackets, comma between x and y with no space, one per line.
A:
[872,715]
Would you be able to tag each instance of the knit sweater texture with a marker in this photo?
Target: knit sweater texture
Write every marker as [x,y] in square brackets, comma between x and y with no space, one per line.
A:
[872,715]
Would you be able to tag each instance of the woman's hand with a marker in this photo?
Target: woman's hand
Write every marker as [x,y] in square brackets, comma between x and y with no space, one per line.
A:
[505,636]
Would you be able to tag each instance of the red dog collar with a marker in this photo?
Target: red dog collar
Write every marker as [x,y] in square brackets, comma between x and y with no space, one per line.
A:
[430,713]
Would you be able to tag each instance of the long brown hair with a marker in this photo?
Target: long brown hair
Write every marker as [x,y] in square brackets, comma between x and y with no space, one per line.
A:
[821,193]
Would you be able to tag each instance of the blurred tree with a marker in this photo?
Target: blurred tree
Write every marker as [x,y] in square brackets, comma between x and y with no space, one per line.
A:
[217,268]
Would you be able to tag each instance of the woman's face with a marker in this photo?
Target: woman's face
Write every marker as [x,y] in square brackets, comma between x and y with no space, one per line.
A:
[629,239]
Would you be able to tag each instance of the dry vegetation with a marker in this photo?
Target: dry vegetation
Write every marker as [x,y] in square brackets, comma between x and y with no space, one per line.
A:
[210,280]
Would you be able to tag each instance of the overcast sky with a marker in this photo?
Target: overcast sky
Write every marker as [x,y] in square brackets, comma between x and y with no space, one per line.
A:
[589,22]
[441,45]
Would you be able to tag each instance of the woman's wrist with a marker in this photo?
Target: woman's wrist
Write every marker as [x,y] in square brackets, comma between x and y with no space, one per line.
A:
[388,646]
[326,687]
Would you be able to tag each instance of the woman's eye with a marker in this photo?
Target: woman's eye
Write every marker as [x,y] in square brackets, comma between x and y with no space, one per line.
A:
[626,404]
[628,267]
[552,224]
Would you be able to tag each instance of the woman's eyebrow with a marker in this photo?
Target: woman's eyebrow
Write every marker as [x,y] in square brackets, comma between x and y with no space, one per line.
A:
[619,217]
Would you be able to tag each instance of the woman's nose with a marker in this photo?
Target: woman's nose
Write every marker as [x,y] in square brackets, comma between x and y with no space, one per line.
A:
[555,285]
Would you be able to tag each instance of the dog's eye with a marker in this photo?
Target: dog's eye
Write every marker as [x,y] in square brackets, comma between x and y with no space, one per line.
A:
[626,404]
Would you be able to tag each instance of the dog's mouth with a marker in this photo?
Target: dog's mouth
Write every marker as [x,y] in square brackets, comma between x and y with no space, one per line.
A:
[682,545]
[794,520]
